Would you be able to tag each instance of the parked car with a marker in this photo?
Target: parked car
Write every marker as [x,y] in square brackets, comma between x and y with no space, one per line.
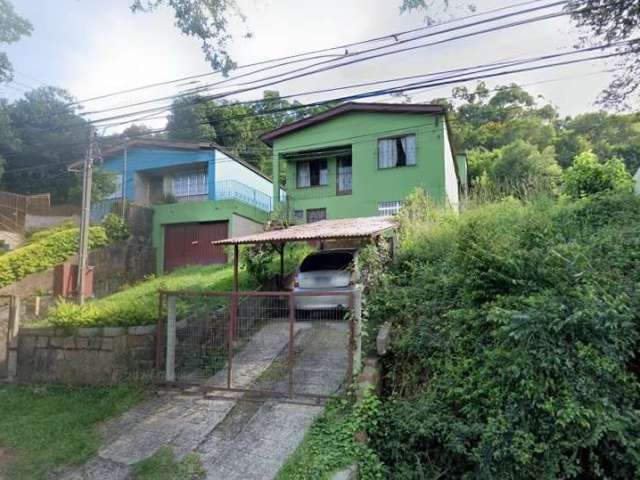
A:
[326,270]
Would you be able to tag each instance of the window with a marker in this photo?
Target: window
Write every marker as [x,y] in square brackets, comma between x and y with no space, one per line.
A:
[316,214]
[117,192]
[344,175]
[312,173]
[389,208]
[397,152]
[326,261]
[298,215]
[188,184]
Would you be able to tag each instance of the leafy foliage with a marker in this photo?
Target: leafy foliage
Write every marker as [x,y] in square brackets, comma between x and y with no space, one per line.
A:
[207,20]
[611,22]
[515,334]
[115,227]
[12,28]
[42,132]
[163,465]
[45,250]
[588,176]
[330,443]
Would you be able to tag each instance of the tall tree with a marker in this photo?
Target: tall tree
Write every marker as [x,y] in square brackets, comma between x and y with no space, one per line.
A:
[12,28]
[46,135]
[206,20]
[605,21]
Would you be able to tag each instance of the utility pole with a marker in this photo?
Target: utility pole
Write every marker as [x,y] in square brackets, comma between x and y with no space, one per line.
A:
[124,178]
[85,219]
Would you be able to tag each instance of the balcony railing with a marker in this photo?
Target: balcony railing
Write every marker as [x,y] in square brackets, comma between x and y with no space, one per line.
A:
[234,190]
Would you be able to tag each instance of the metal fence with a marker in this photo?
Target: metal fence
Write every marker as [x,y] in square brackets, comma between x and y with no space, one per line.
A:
[264,343]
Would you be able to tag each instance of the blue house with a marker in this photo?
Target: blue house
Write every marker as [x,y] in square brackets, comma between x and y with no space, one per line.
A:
[199,193]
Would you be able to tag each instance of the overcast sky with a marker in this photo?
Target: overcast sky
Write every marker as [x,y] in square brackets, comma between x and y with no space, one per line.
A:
[91,47]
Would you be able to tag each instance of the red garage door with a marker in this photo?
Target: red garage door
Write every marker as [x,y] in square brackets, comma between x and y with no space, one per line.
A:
[191,244]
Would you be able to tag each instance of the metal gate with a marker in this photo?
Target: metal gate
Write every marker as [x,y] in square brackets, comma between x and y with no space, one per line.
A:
[263,343]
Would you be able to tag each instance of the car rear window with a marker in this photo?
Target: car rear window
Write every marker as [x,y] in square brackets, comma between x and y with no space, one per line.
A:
[326,261]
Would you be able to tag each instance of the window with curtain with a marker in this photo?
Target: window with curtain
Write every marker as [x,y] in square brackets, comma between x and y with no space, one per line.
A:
[344,175]
[190,184]
[397,152]
[312,173]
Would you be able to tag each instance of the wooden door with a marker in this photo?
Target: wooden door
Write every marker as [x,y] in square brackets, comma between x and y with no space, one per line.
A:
[191,244]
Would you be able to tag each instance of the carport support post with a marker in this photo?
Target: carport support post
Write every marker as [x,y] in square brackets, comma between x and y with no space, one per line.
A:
[235,267]
[357,329]
[170,372]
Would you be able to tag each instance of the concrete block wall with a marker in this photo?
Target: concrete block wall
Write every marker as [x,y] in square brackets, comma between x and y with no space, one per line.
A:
[86,356]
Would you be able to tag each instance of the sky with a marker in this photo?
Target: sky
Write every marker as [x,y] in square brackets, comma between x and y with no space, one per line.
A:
[93,47]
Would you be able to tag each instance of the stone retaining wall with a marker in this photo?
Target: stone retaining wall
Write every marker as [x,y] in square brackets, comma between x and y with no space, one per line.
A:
[85,356]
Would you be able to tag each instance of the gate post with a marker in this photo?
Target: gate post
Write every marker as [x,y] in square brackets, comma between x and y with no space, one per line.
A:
[356,329]
[14,328]
[170,370]
[292,320]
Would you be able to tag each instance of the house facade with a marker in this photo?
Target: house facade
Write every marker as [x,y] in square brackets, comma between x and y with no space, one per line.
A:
[199,194]
[363,159]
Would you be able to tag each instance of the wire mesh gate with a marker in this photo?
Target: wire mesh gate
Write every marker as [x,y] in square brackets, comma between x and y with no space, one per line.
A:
[265,343]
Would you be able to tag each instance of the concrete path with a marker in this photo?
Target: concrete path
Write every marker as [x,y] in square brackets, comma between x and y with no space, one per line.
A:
[236,439]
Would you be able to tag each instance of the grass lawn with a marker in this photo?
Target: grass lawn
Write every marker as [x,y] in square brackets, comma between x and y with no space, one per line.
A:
[163,466]
[138,304]
[44,429]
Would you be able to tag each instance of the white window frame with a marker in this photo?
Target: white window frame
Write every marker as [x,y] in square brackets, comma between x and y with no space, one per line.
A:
[388,151]
[190,184]
[389,208]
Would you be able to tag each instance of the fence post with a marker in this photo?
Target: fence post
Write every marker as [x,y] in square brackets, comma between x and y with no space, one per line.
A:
[292,320]
[14,328]
[170,370]
[357,329]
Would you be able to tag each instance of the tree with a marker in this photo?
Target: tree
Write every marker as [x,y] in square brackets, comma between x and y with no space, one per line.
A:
[12,28]
[207,20]
[494,120]
[587,176]
[612,22]
[606,134]
[520,168]
[46,135]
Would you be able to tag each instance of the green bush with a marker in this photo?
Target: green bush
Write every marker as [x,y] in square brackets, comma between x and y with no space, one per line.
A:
[45,250]
[587,176]
[515,334]
[115,227]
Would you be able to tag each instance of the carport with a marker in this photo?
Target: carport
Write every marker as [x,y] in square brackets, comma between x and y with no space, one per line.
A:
[372,228]
[252,342]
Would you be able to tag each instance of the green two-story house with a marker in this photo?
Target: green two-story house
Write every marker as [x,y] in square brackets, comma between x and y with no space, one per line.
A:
[363,159]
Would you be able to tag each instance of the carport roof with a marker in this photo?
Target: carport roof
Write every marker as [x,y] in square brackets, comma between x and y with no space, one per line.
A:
[324,230]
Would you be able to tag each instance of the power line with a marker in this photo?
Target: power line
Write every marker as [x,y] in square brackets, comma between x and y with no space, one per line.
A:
[400,89]
[392,36]
[276,79]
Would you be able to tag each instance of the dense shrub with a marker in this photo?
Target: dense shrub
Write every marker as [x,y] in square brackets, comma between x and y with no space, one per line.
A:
[587,176]
[115,227]
[515,333]
[45,250]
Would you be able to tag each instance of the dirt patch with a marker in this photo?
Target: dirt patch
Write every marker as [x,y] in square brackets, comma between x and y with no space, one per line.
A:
[6,457]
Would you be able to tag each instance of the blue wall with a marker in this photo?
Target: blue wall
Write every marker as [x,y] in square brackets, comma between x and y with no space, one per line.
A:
[141,159]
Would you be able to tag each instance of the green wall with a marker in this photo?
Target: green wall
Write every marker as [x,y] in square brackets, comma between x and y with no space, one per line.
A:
[205,211]
[370,185]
